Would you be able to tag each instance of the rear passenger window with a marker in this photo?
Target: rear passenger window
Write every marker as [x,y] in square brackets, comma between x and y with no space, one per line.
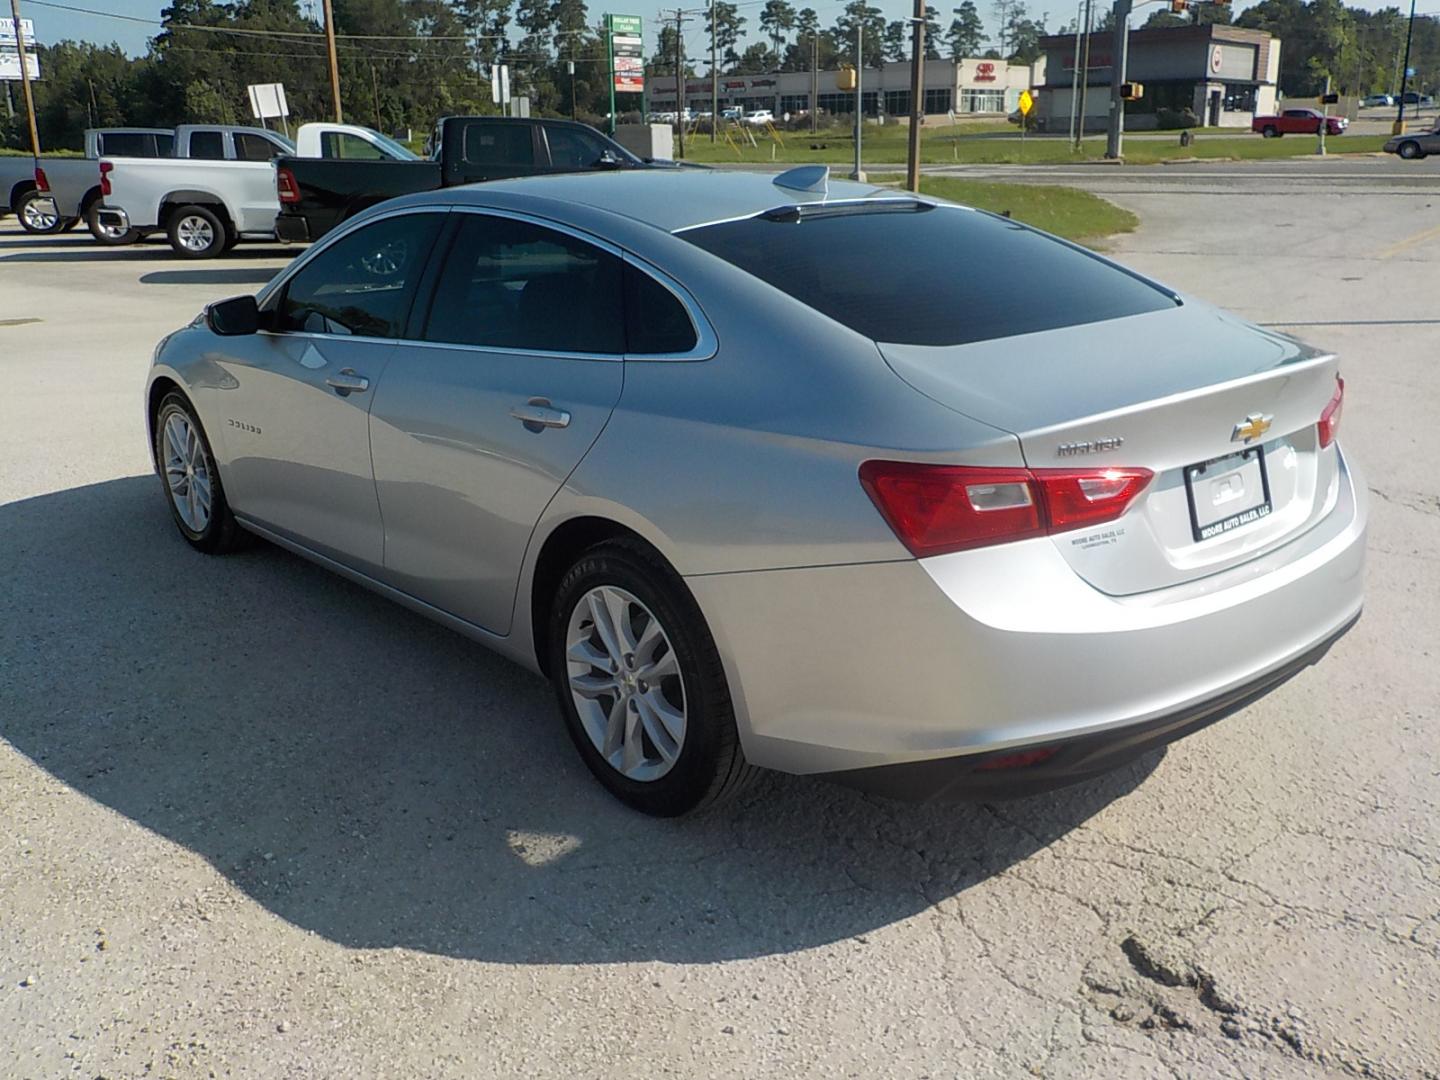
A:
[363,283]
[255,147]
[209,145]
[500,143]
[655,319]
[512,285]
[128,144]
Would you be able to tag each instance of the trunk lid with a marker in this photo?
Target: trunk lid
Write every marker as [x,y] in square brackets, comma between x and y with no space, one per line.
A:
[1165,391]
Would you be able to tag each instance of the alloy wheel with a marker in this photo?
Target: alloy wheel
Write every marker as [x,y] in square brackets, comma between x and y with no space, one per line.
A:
[625,681]
[37,218]
[187,476]
[194,233]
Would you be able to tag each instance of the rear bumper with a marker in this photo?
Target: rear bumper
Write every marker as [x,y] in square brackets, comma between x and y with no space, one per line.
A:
[114,218]
[985,776]
[292,229]
[844,668]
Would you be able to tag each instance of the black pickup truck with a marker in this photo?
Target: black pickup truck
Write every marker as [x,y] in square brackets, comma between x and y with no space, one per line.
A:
[317,194]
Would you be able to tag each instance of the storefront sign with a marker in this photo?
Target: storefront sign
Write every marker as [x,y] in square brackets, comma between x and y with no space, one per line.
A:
[985,71]
[1217,59]
[627,53]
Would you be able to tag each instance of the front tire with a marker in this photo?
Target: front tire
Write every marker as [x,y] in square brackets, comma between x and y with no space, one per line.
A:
[38,214]
[640,683]
[1270,131]
[1410,151]
[191,480]
[108,235]
[196,232]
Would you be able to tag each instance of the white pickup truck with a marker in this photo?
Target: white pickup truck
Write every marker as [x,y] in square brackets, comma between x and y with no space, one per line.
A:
[206,207]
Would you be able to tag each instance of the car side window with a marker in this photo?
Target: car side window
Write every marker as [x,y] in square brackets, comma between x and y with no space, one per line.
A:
[508,284]
[508,144]
[347,145]
[571,149]
[655,320]
[255,147]
[363,283]
[207,145]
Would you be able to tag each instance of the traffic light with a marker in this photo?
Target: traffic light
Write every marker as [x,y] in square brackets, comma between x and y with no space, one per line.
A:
[1329,99]
[1132,91]
[845,78]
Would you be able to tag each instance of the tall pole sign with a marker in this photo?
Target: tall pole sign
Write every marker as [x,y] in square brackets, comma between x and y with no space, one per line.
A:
[624,35]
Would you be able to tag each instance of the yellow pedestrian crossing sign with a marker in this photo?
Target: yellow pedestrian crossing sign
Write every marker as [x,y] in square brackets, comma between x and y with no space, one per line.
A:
[1027,102]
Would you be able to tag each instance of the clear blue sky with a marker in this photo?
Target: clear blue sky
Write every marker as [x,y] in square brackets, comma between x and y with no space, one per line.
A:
[52,25]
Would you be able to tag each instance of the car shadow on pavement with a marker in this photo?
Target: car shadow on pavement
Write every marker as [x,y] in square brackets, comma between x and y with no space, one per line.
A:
[214,275]
[381,781]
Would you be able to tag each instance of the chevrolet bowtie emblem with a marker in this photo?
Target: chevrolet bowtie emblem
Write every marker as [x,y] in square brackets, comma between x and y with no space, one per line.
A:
[1255,425]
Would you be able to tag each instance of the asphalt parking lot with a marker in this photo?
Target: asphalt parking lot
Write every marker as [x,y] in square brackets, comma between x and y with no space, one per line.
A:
[257,822]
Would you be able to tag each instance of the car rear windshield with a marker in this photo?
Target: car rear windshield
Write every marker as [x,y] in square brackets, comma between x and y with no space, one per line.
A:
[928,276]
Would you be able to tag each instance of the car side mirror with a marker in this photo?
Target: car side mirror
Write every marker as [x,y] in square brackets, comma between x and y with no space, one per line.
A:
[609,160]
[234,317]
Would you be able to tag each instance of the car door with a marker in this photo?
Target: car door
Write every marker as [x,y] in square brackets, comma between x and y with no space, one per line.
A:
[296,424]
[494,150]
[474,429]
[572,149]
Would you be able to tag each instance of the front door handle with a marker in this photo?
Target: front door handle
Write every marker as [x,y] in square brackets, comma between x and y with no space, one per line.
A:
[347,382]
[538,414]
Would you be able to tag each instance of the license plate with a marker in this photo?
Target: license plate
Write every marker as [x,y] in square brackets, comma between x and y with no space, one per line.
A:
[1227,493]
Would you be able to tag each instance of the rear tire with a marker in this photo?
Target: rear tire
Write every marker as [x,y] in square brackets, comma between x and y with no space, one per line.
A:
[191,480]
[1270,131]
[627,736]
[34,217]
[196,232]
[109,236]
[1410,151]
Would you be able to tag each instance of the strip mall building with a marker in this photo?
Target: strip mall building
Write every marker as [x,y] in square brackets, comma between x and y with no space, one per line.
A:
[1225,75]
[966,87]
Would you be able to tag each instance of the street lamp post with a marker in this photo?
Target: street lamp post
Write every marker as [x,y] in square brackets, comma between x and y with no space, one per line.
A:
[1405,73]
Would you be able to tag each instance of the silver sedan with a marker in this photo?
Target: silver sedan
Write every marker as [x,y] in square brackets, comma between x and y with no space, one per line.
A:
[783,473]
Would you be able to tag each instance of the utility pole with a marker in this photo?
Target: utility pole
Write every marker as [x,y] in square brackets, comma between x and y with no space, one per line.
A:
[917,97]
[680,78]
[1114,143]
[1085,74]
[859,173]
[1404,73]
[714,79]
[334,61]
[25,79]
[814,82]
[1325,118]
[1075,72]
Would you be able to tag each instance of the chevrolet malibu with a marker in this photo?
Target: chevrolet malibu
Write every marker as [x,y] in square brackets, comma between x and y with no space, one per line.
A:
[783,473]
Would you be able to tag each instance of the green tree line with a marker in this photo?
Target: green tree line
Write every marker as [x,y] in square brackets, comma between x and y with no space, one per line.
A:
[404,63]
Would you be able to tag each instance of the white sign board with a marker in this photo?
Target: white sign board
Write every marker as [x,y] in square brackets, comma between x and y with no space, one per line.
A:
[267,101]
[7,32]
[10,65]
[500,84]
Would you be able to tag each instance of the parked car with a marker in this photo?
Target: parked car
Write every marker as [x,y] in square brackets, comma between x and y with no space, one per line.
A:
[315,196]
[1377,100]
[1415,145]
[1411,97]
[25,181]
[959,541]
[760,117]
[78,193]
[733,112]
[206,206]
[1298,122]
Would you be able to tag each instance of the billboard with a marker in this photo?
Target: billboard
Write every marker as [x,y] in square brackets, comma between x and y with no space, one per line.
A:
[10,64]
[7,32]
[627,53]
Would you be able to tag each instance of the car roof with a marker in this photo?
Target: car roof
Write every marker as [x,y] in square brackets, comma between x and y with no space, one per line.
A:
[667,199]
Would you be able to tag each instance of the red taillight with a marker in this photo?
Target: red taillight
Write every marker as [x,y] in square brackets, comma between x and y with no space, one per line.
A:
[285,186]
[105,168]
[935,509]
[41,181]
[1329,425]
[1020,759]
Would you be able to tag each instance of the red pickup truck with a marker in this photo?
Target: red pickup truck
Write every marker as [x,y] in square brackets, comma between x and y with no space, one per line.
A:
[1298,122]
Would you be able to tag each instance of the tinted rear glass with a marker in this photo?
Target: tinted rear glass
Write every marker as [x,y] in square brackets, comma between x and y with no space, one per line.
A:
[499,144]
[940,276]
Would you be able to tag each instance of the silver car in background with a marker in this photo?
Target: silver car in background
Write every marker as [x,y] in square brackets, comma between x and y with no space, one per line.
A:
[783,473]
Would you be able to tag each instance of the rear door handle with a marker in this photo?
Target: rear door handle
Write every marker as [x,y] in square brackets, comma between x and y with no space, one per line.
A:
[538,414]
[347,382]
